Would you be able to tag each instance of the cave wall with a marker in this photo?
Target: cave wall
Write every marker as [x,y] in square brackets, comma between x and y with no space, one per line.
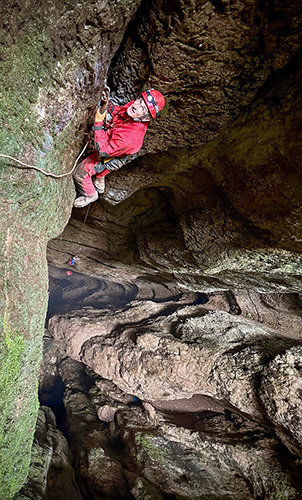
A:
[196,403]
[225,214]
[236,201]
[54,59]
[208,58]
[202,204]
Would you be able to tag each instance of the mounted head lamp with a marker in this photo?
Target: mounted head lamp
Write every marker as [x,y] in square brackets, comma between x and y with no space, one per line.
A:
[154,100]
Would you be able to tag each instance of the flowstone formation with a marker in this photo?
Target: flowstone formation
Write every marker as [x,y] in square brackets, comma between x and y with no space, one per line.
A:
[212,205]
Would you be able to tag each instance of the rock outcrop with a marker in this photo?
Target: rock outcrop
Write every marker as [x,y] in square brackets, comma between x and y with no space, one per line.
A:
[212,204]
[51,473]
[54,58]
[173,352]
[193,448]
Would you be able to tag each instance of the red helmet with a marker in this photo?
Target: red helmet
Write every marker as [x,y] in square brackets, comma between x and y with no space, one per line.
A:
[154,100]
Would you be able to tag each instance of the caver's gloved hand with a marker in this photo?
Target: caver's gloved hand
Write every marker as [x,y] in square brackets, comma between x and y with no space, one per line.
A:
[102,106]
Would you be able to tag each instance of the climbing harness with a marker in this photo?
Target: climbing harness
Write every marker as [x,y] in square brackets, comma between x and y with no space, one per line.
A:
[154,101]
[49,174]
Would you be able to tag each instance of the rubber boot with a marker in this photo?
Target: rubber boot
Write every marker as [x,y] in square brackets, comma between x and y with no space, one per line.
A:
[99,184]
[83,201]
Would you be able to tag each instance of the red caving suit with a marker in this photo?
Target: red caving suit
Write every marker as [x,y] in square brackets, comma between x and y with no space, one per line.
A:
[114,142]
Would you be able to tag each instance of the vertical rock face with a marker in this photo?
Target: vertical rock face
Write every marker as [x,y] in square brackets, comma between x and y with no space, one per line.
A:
[209,58]
[202,207]
[224,442]
[156,354]
[51,472]
[54,58]
[208,216]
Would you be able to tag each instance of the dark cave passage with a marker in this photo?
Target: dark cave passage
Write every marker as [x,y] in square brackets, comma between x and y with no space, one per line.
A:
[52,396]
[77,290]
[67,293]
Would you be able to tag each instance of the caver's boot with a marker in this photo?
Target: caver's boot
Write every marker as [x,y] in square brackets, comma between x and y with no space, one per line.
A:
[83,201]
[99,184]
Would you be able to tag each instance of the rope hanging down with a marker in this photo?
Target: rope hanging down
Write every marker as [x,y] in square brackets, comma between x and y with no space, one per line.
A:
[49,174]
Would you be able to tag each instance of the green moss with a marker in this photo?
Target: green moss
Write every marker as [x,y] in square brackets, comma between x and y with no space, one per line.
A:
[34,209]
[24,305]
[19,365]
[21,129]
[20,86]
[34,198]
[12,428]
[148,444]
[11,353]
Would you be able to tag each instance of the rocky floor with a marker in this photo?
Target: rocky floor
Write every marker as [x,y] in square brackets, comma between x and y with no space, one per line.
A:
[196,397]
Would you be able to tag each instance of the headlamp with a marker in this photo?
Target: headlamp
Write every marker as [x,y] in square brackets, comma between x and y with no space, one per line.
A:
[151,99]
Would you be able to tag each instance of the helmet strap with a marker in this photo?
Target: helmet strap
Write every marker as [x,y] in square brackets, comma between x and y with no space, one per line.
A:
[145,118]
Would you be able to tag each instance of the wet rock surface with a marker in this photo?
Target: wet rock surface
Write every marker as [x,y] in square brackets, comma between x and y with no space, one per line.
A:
[183,448]
[156,393]
[77,290]
[230,426]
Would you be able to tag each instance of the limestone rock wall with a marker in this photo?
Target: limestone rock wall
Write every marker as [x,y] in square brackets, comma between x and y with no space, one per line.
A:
[201,208]
[222,215]
[210,207]
[195,403]
[209,58]
[172,351]
[54,58]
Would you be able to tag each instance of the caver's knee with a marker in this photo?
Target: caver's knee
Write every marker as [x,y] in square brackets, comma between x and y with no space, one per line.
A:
[79,173]
[76,175]
[86,167]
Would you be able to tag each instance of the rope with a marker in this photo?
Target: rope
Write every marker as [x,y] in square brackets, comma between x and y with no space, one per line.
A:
[80,236]
[49,174]
[55,176]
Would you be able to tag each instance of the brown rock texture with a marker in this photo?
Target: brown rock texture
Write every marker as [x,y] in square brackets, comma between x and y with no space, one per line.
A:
[210,216]
[160,355]
[215,396]
[192,466]
[51,473]
[211,206]
[209,59]
[281,396]
[148,453]
[194,448]
[53,54]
